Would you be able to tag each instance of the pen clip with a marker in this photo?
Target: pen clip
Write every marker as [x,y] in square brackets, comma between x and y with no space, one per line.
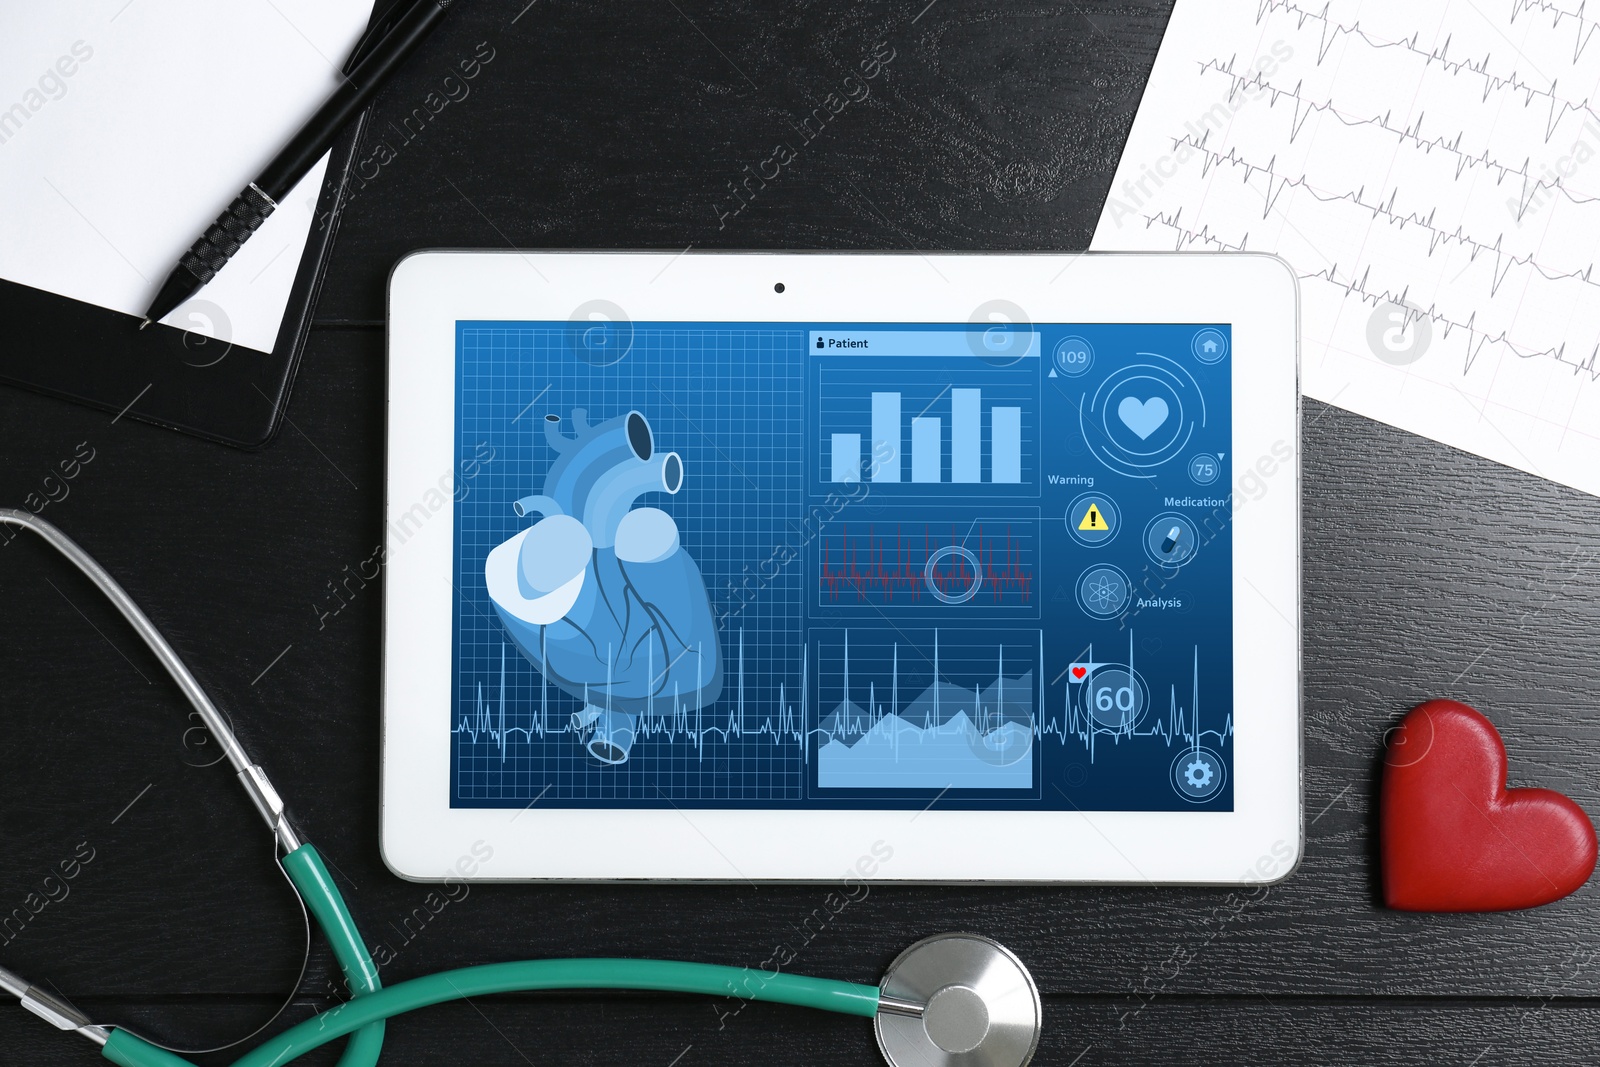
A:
[383,20]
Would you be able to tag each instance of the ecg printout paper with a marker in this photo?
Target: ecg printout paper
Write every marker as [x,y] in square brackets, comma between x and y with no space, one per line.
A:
[1431,171]
[126,128]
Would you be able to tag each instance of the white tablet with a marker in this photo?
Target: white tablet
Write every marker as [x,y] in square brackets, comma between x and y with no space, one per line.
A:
[807,566]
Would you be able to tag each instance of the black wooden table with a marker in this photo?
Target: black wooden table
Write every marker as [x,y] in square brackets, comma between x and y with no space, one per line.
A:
[1427,573]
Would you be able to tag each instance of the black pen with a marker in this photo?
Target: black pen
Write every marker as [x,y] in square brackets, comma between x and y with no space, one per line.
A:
[381,50]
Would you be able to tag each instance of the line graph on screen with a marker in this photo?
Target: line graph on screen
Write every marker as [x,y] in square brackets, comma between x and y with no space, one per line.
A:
[952,684]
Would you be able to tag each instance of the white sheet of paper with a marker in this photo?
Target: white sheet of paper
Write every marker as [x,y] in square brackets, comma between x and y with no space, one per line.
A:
[1430,169]
[126,126]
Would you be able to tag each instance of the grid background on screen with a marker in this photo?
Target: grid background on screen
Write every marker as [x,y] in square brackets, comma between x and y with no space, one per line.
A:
[764,425]
[729,402]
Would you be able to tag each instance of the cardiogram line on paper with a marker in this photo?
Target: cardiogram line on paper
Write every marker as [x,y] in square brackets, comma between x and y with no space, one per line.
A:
[1437,165]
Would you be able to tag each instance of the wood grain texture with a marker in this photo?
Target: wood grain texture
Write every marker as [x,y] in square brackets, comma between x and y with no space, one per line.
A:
[1426,573]
[991,127]
[1079,1031]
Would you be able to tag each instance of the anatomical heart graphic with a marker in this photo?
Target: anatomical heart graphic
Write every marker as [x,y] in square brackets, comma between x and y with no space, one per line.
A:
[598,594]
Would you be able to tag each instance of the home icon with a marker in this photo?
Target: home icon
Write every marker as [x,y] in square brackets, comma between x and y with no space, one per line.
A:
[1209,345]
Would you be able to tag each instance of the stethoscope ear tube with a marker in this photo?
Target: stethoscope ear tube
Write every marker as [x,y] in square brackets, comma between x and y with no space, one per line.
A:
[251,777]
[668,976]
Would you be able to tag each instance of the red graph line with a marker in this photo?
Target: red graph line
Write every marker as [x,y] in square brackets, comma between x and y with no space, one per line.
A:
[886,570]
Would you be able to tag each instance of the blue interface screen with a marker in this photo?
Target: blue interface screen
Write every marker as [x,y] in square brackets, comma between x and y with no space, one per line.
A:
[842,565]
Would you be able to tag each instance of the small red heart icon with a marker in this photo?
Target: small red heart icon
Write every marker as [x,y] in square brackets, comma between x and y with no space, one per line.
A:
[1454,838]
[1079,672]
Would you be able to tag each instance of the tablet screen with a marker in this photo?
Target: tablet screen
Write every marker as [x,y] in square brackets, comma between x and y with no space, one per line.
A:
[841,565]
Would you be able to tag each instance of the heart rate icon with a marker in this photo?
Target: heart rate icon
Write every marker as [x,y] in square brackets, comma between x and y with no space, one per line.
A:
[1143,417]
[1078,672]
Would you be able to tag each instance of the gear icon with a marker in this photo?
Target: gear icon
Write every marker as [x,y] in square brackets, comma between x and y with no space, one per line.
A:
[1198,774]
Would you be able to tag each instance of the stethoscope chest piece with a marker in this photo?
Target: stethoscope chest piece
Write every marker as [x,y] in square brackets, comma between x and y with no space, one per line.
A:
[979,1006]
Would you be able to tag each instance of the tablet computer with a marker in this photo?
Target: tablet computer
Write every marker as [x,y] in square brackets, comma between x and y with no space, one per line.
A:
[741,566]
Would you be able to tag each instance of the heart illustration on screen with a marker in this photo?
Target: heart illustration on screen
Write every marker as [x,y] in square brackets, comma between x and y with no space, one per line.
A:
[599,594]
[1079,672]
[1143,417]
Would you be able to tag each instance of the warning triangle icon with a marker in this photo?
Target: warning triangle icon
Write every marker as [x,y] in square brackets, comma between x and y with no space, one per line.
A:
[1093,520]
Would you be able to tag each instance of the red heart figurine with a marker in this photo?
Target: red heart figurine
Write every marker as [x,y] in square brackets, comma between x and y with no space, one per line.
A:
[1454,838]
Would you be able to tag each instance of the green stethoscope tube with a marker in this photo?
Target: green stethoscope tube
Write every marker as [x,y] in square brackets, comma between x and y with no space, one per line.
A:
[322,898]
[666,976]
[326,904]
[364,1016]
[657,975]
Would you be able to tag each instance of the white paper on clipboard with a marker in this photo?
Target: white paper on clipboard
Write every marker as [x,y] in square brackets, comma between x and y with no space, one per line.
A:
[126,126]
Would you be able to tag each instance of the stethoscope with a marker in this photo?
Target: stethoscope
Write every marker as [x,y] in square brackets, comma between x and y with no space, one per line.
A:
[956,999]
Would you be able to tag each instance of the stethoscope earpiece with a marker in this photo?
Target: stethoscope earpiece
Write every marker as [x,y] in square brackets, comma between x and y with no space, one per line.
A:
[960,1000]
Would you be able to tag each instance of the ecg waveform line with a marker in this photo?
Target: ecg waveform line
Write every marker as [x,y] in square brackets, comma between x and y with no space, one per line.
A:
[1535,192]
[1332,31]
[1180,723]
[897,566]
[670,717]
[1409,134]
[1476,340]
[1384,209]
[1188,238]
[986,704]
[1582,32]
[494,721]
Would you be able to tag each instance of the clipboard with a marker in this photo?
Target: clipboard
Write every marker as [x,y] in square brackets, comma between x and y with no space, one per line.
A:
[185,373]
[163,375]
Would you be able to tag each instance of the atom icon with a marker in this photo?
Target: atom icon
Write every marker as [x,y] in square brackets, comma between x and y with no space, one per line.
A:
[1103,591]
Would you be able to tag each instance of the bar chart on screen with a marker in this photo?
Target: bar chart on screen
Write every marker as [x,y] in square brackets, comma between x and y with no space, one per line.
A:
[934,421]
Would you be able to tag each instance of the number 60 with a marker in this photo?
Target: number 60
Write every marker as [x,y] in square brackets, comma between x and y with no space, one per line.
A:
[1123,699]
